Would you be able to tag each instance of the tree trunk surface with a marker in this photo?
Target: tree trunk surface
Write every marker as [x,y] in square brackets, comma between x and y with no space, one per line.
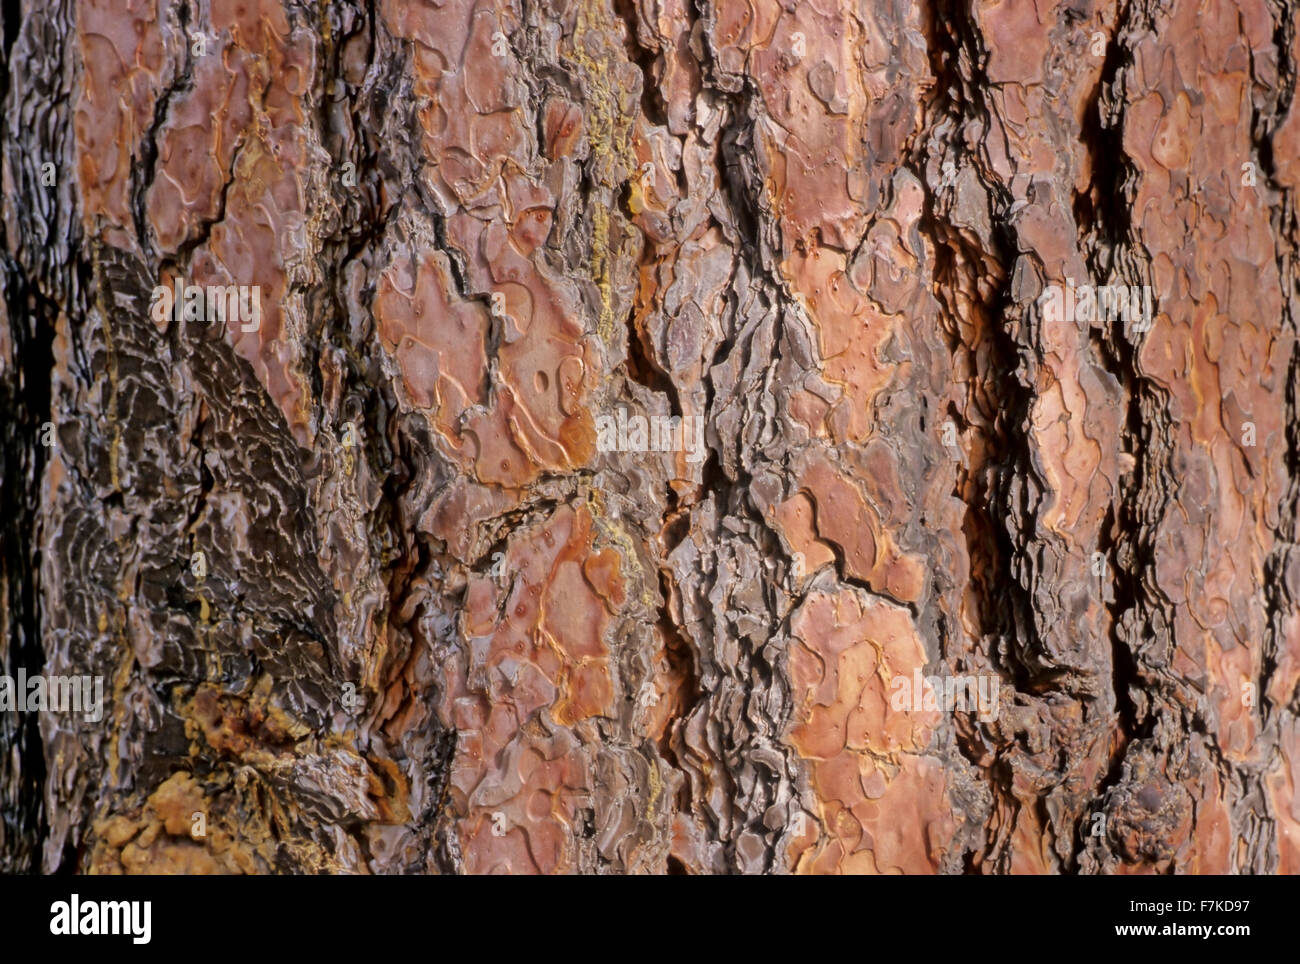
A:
[666,436]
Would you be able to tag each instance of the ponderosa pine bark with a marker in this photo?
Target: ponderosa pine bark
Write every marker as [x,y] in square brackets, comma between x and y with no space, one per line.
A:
[657,435]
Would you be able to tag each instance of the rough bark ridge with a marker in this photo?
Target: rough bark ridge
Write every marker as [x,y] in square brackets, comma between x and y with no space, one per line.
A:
[374,587]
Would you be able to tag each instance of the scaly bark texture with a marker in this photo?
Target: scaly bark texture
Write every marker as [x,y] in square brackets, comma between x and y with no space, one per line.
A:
[439,625]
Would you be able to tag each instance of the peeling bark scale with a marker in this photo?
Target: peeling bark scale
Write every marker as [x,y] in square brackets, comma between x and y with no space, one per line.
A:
[625,436]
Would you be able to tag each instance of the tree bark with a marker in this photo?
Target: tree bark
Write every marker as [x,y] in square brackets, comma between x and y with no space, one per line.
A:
[937,572]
